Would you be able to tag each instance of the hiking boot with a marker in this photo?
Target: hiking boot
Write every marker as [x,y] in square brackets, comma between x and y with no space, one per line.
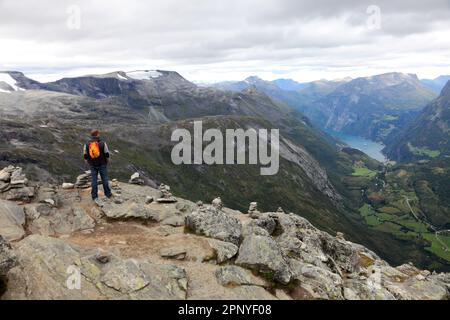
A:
[98,202]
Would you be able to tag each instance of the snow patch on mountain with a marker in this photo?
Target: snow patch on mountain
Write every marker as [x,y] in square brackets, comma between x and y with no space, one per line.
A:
[144,74]
[10,82]
[121,77]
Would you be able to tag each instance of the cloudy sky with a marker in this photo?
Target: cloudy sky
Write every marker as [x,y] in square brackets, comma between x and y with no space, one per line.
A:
[214,40]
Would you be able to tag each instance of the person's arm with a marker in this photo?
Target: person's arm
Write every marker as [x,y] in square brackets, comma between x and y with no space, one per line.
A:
[106,151]
[85,153]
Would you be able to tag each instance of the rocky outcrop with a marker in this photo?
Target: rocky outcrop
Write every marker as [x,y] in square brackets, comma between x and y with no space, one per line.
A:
[68,272]
[215,223]
[45,220]
[262,254]
[224,250]
[132,248]
[237,276]
[12,220]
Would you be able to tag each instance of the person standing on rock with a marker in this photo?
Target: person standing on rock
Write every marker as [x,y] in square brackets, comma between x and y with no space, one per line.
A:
[96,153]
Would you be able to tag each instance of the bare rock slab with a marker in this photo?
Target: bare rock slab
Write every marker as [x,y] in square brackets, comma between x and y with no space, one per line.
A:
[12,219]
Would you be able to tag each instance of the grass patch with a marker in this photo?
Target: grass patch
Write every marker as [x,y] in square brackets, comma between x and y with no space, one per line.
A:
[414,225]
[436,247]
[363,172]
[389,210]
[423,151]
[392,228]
[369,216]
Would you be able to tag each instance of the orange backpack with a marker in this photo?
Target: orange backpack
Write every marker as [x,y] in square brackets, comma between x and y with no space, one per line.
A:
[94,150]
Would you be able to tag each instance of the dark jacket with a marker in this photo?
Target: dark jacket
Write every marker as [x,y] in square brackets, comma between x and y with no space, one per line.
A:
[104,153]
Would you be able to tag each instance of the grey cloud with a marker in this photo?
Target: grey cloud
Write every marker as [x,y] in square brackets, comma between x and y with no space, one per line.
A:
[200,33]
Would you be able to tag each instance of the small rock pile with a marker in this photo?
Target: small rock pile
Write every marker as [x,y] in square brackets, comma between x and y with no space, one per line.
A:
[14,185]
[136,179]
[253,210]
[165,196]
[84,180]
[217,203]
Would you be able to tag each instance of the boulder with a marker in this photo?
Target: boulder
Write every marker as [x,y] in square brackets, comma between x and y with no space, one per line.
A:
[12,220]
[68,186]
[224,250]
[214,223]
[342,254]
[316,282]
[126,210]
[264,222]
[251,229]
[261,253]
[51,221]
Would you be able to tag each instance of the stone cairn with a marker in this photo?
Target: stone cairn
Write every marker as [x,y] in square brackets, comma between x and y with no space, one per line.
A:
[14,185]
[165,196]
[340,236]
[217,203]
[84,180]
[280,210]
[253,210]
[136,179]
[199,204]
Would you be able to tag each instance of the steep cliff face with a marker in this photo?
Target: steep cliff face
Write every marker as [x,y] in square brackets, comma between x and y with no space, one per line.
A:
[147,244]
[428,136]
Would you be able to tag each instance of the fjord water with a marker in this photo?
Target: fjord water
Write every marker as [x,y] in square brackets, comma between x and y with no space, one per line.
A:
[369,147]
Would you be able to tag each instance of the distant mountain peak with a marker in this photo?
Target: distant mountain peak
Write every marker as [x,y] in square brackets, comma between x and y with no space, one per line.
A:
[446,90]
[253,79]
